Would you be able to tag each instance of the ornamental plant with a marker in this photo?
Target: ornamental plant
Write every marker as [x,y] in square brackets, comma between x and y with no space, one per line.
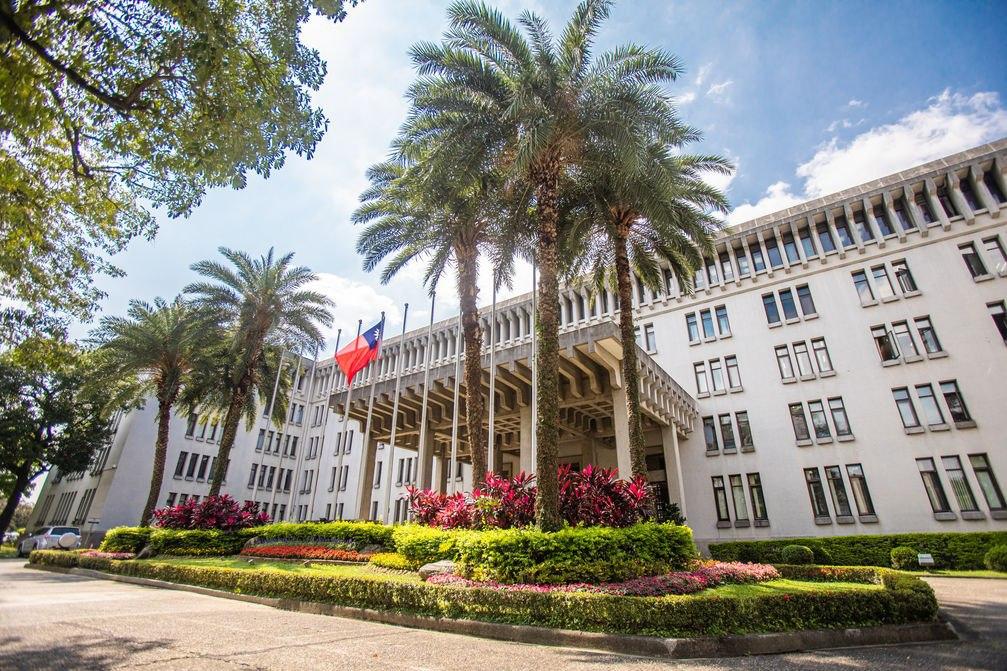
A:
[905,558]
[214,512]
[306,552]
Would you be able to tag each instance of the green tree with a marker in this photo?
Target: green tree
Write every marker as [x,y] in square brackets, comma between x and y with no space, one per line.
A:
[47,418]
[108,107]
[538,101]
[259,303]
[154,351]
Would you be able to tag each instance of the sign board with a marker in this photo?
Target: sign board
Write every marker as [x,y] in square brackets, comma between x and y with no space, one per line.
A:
[925,559]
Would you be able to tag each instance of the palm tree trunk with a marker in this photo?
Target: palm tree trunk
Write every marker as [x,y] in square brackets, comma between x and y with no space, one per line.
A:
[630,377]
[21,480]
[468,292]
[547,323]
[160,454]
[231,420]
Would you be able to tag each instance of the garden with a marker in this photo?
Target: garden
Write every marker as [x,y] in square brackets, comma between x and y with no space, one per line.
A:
[477,556]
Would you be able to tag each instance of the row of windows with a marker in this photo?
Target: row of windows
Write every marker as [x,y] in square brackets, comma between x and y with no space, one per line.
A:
[266,474]
[279,510]
[732,434]
[200,466]
[177,498]
[345,476]
[740,502]
[878,286]
[773,301]
[840,498]
[718,382]
[707,318]
[930,408]
[203,428]
[820,412]
[960,486]
[807,355]
[272,442]
[995,261]
[895,341]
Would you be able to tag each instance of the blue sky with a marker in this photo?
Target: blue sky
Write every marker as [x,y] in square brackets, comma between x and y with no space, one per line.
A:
[806,97]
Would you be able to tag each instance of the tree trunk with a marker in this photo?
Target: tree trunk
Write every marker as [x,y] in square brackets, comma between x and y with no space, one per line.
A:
[231,420]
[630,377]
[468,292]
[164,403]
[21,481]
[547,516]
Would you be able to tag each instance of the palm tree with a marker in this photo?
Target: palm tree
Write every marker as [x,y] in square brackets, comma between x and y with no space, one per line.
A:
[537,102]
[627,224]
[259,302]
[155,350]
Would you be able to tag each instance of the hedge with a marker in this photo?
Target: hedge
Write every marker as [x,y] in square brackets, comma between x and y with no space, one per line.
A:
[964,550]
[903,599]
[359,534]
[125,539]
[422,544]
[574,554]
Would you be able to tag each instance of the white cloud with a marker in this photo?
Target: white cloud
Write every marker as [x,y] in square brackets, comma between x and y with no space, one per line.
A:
[354,300]
[704,71]
[719,91]
[856,103]
[686,98]
[950,122]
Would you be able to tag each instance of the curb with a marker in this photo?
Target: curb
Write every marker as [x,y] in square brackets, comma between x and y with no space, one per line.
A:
[643,646]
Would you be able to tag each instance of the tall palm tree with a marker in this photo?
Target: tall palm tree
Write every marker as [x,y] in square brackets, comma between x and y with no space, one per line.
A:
[259,302]
[537,102]
[410,216]
[155,350]
[626,224]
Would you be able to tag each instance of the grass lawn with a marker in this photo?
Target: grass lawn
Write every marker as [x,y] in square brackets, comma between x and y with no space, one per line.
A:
[334,570]
[947,573]
[786,586]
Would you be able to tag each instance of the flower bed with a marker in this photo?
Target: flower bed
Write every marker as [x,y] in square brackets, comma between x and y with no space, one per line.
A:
[98,554]
[306,552]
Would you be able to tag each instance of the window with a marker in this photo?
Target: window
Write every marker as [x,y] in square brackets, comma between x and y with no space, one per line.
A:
[945,200]
[863,287]
[171,499]
[710,434]
[904,277]
[251,475]
[881,218]
[377,474]
[973,261]
[722,322]
[955,402]
[998,312]
[789,307]
[902,215]
[928,402]
[987,481]
[742,258]
[881,281]
[808,244]
[996,252]
[825,238]
[933,486]
[799,421]
[861,494]
[720,499]
[807,304]
[738,494]
[790,248]
[773,250]
[202,429]
[203,463]
[840,500]
[649,339]
[843,231]
[717,375]
[905,339]
[772,311]
[733,374]
[261,440]
[906,410]
[758,500]
[970,195]
[923,203]
[725,266]
[959,484]
[989,179]
[702,386]
[860,223]
[819,504]
[190,426]
[711,271]
[744,429]
[785,364]
[707,318]
[180,466]
[928,336]
[727,433]
[818,420]
[822,355]
[839,418]
[692,327]
[803,359]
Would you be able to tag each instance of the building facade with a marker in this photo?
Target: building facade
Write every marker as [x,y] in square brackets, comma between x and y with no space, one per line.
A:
[838,369]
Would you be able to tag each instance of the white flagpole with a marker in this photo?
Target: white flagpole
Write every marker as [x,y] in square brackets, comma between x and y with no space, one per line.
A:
[534,365]
[420,453]
[304,430]
[375,371]
[325,424]
[286,425]
[490,438]
[341,441]
[453,464]
[269,417]
[399,358]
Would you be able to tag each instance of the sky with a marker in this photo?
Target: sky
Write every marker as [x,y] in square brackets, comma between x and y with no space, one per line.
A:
[806,98]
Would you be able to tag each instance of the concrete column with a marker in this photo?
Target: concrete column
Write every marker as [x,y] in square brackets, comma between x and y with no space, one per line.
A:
[425,461]
[673,466]
[620,422]
[365,490]
[525,461]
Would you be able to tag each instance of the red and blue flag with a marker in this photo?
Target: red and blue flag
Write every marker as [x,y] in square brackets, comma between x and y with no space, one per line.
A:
[356,355]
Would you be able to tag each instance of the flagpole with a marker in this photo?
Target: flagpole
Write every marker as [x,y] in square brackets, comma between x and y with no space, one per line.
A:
[325,424]
[375,371]
[421,449]
[534,366]
[286,424]
[491,442]
[269,415]
[399,357]
[453,463]
[304,429]
[341,442]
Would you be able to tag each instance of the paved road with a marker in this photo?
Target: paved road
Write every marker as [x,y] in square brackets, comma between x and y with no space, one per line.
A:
[55,621]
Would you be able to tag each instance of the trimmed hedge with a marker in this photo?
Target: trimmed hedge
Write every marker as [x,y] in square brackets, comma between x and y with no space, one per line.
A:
[950,550]
[359,534]
[904,599]
[125,539]
[797,554]
[574,554]
[393,561]
[996,558]
[422,544]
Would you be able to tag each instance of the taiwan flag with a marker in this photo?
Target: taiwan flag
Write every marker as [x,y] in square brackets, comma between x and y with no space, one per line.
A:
[357,354]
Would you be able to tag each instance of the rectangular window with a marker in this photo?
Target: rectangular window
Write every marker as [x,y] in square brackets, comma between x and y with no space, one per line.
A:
[193,462]
[727,433]
[720,499]
[692,327]
[722,322]
[987,481]
[989,179]
[839,418]
[717,375]
[998,312]
[860,222]
[773,250]
[785,364]
[881,218]
[863,287]
[758,500]
[818,419]
[822,355]
[807,244]
[790,248]
[906,410]
[881,281]
[803,359]
[804,297]
[251,475]
[956,404]
[970,195]
[825,238]
[707,318]
[710,434]
[262,477]
[933,486]
[772,311]
[904,337]
[733,373]
[757,261]
[261,440]
[973,261]
[702,385]
[171,499]
[819,504]
[787,301]
[725,266]
[902,215]
[738,494]
[959,483]
[799,421]
[840,500]
[928,336]
[180,466]
[742,258]
[996,252]
[861,494]
[923,203]
[744,429]
[711,271]
[903,276]
[649,338]
[885,343]
[202,429]
[928,403]
[945,200]
[203,464]
[190,426]
[843,231]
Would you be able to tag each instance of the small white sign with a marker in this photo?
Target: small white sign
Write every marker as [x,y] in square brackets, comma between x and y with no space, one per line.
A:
[925,559]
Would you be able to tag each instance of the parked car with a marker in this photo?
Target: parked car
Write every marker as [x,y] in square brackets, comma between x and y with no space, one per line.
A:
[50,538]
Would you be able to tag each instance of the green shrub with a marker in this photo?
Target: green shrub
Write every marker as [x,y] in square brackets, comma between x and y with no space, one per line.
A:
[903,599]
[904,558]
[950,550]
[393,561]
[797,554]
[125,539]
[996,558]
[574,554]
[199,542]
[357,534]
[422,545]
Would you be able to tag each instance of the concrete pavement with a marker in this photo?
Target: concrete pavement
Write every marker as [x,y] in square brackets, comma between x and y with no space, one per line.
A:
[56,621]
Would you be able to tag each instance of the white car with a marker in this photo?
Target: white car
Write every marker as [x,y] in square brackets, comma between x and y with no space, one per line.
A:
[49,538]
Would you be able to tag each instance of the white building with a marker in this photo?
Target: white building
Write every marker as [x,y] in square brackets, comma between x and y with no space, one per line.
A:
[840,369]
